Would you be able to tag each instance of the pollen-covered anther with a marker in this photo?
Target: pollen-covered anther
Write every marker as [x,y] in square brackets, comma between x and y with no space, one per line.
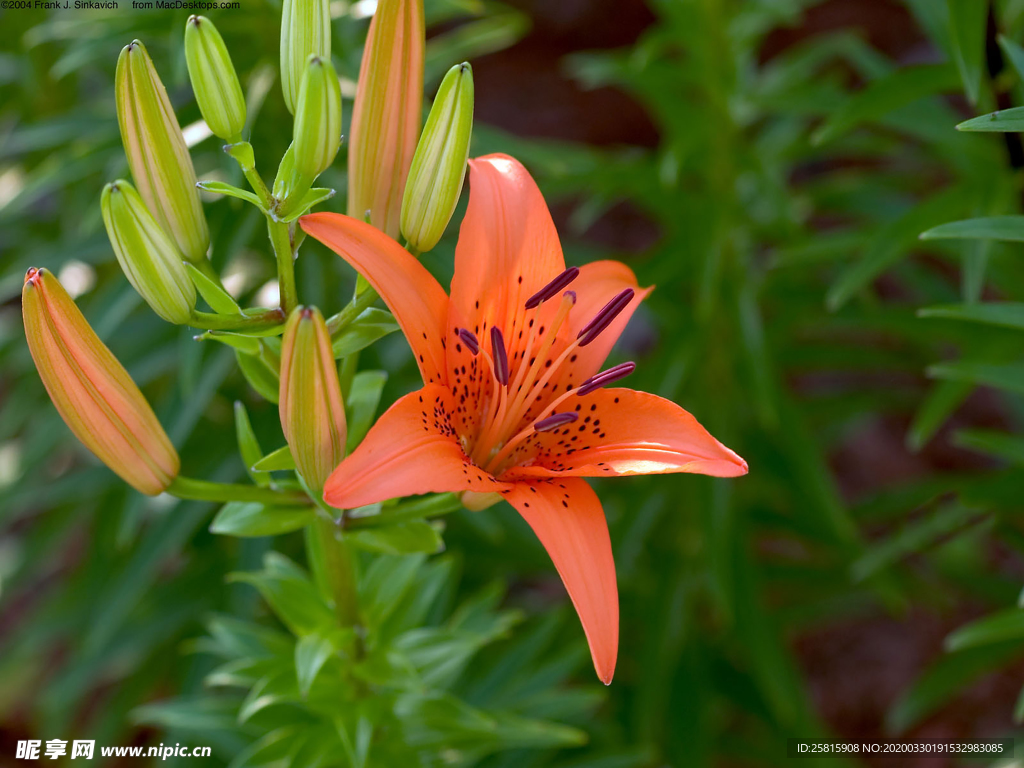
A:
[552,288]
[500,357]
[604,378]
[468,338]
[555,420]
[604,318]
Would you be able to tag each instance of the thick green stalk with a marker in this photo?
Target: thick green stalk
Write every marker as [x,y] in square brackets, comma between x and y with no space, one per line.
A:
[251,321]
[205,490]
[352,310]
[285,254]
[339,569]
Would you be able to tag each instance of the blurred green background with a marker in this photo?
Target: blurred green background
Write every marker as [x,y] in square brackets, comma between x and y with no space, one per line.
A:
[769,165]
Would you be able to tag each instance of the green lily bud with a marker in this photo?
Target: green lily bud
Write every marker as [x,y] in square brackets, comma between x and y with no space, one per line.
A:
[439,165]
[214,81]
[317,131]
[305,31]
[149,258]
[311,408]
[157,155]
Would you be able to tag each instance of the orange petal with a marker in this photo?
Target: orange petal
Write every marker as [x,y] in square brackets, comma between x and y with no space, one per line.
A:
[508,248]
[410,450]
[567,517]
[416,299]
[625,432]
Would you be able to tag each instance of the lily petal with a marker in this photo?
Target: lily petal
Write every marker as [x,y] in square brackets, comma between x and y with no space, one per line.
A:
[625,432]
[508,248]
[412,449]
[568,519]
[414,297]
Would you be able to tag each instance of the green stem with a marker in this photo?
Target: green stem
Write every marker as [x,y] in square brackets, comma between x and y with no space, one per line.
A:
[282,242]
[360,302]
[432,506]
[205,490]
[248,321]
[339,565]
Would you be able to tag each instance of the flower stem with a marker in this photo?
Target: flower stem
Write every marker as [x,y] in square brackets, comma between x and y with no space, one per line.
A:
[340,570]
[282,242]
[248,321]
[206,490]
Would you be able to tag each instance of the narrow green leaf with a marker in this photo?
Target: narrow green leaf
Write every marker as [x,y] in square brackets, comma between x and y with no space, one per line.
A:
[371,325]
[995,628]
[967,38]
[256,372]
[220,188]
[248,445]
[1003,314]
[972,270]
[1006,228]
[281,459]
[1000,445]
[290,593]
[311,653]
[362,402]
[313,197]
[245,344]
[1008,377]
[881,97]
[401,539]
[1002,121]
[938,405]
[220,301]
[1013,53]
[246,518]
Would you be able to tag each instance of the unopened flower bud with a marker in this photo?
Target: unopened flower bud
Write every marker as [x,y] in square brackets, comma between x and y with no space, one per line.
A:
[317,131]
[214,81]
[386,114]
[149,258]
[311,408]
[160,163]
[305,31]
[92,391]
[439,165]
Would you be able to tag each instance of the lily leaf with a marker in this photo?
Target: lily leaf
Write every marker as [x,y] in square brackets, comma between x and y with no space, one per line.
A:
[311,653]
[248,445]
[247,518]
[400,539]
[1006,228]
[259,376]
[1005,314]
[220,301]
[371,325]
[362,402]
[246,344]
[1002,121]
[220,188]
[275,460]
[315,196]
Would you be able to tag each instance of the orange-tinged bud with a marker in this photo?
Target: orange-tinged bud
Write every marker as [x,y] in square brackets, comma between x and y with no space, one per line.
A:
[312,411]
[92,391]
[386,115]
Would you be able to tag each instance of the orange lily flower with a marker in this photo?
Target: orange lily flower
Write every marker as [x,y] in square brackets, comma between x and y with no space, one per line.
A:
[513,402]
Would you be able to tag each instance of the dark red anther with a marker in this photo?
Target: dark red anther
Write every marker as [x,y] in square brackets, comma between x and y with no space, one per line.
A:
[604,318]
[552,288]
[555,420]
[500,357]
[603,378]
[468,338]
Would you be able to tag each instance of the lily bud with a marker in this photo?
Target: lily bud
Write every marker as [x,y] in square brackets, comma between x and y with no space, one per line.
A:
[439,165]
[386,115]
[214,81]
[160,163]
[150,260]
[305,31]
[317,131]
[311,408]
[92,391]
